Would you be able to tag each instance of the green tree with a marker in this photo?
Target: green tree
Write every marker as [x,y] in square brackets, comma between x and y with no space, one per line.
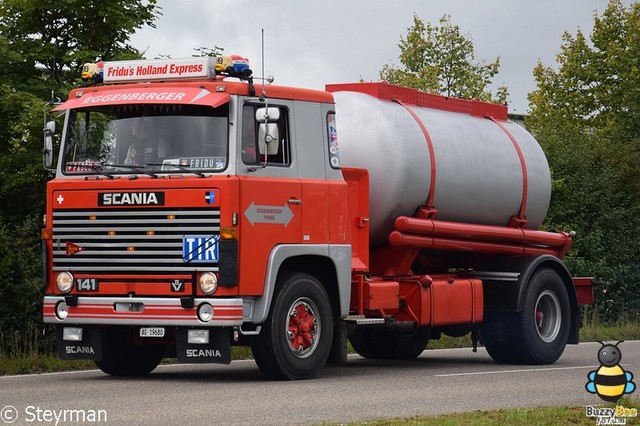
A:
[43,45]
[62,35]
[586,114]
[439,59]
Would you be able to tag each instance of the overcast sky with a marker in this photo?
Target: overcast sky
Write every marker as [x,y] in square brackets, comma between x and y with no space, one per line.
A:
[312,43]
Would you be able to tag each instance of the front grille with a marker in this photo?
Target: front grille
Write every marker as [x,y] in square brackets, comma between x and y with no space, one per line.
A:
[129,241]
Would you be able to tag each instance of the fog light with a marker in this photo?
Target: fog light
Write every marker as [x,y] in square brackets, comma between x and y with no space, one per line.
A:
[208,282]
[62,310]
[64,281]
[205,312]
[73,334]
[198,337]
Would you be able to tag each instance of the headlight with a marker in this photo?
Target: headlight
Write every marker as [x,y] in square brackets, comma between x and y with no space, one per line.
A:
[71,334]
[205,312]
[208,282]
[64,281]
[198,337]
[62,310]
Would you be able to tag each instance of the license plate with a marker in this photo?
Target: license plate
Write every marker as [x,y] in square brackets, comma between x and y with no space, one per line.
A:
[152,332]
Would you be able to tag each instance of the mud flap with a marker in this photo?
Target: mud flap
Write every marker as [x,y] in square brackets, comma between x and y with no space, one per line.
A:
[338,353]
[215,346]
[86,346]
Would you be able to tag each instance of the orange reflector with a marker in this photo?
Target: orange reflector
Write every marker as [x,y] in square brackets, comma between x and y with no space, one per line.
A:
[73,248]
[228,233]
[131,248]
[171,216]
[111,233]
[46,234]
[151,232]
[92,218]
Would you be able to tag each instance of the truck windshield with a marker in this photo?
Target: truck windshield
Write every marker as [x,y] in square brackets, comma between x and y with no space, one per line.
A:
[158,138]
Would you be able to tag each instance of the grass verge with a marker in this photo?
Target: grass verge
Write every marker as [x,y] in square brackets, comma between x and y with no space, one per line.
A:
[541,416]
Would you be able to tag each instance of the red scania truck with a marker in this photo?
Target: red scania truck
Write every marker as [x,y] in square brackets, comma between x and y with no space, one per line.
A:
[192,210]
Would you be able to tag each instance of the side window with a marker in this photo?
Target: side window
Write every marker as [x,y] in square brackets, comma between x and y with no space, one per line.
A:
[249,136]
[265,135]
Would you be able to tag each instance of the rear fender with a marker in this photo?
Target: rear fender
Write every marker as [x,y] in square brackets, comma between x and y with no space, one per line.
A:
[504,291]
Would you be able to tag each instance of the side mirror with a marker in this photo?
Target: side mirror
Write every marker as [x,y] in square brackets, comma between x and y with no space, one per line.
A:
[268,115]
[47,152]
[268,131]
[268,138]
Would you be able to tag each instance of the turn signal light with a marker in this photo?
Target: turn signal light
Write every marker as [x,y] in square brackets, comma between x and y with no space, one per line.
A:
[228,233]
[47,233]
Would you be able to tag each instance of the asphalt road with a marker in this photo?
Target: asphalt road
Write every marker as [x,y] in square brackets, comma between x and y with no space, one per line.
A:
[440,381]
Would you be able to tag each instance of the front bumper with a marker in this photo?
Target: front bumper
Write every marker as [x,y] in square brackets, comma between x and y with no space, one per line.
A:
[142,311]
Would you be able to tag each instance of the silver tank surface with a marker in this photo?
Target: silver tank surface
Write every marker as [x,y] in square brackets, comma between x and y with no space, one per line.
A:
[478,171]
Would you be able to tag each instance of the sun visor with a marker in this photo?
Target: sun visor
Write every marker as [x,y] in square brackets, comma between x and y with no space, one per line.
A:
[147,95]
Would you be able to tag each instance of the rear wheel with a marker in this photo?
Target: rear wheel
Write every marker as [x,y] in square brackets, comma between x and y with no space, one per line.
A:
[365,343]
[295,340]
[121,357]
[539,333]
[380,344]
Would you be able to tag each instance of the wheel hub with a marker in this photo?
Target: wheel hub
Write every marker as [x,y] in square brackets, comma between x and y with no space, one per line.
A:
[548,316]
[303,329]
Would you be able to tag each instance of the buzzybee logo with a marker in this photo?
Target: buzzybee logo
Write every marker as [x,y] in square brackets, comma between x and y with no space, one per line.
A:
[610,381]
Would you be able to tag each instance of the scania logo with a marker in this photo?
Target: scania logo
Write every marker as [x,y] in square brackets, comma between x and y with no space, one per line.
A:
[130,198]
[79,350]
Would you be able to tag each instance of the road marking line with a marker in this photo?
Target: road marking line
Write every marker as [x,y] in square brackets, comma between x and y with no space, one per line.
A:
[95,370]
[524,370]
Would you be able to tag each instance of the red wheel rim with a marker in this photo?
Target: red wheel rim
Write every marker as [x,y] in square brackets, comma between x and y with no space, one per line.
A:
[303,327]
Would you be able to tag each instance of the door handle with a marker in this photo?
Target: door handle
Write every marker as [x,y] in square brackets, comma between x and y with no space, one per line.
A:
[295,201]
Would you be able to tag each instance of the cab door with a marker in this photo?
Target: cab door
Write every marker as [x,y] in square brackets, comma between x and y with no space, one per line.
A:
[310,136]
[270,192]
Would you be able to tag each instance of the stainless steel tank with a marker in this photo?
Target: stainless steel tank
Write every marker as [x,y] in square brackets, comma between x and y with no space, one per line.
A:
[479,177]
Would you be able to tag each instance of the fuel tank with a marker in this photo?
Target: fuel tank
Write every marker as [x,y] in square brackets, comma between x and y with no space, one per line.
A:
[464,156]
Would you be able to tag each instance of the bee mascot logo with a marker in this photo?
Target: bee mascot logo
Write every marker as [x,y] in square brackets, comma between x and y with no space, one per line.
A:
[610,381]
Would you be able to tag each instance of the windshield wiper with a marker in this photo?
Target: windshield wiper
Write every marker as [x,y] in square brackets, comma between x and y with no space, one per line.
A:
[135,167]
[186,169]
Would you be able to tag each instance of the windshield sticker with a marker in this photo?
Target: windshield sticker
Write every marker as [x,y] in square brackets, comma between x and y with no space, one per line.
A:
[204,162]
[82,166]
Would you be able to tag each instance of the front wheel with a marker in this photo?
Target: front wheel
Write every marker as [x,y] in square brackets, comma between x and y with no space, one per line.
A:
[121,357]
[296,337]
[539,333]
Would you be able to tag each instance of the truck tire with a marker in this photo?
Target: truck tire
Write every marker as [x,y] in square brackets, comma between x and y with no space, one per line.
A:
[380,344]
[364,342]
[120,357]
[539,333]
[295,340]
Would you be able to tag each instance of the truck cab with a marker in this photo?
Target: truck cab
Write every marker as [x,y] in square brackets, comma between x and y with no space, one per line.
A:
[183,203]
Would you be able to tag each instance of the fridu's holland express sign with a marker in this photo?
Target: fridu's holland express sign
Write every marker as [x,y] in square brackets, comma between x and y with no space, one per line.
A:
[130,198]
